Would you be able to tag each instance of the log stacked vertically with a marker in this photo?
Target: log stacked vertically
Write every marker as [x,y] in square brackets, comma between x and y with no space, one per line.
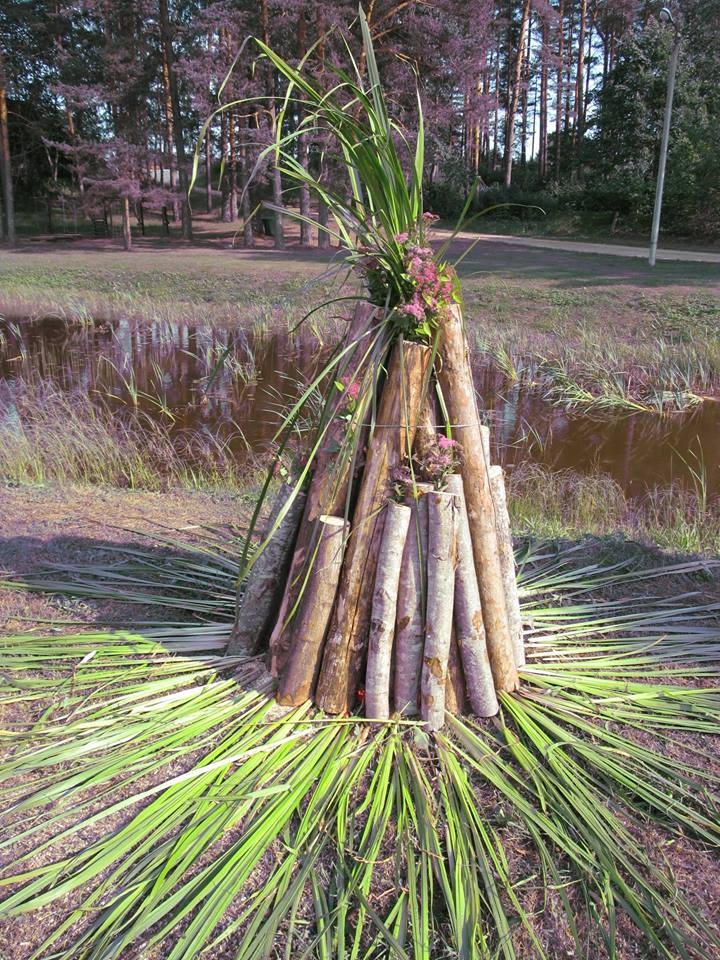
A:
[346,644]
[413,607]
[455,377]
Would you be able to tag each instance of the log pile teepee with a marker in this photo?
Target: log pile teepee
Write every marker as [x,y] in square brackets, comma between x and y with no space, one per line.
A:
[385,576]
[401,595]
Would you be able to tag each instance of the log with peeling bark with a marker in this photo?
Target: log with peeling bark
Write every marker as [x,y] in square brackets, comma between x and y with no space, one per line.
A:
[263,588]
[455,377]
[468,618]
[309,626]
[507,562]
[455,696]
[346,643]
[327,492]
[410,622]
[384,607]
[442,512]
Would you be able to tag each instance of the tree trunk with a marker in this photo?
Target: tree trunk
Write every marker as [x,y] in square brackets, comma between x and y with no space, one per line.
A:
[306,237]
[442,514]
[578,106]
[245,210]
[323,238]
[559,88]
[543,139]
[456,381]
[126,231]
[514,94]
[176,118]
[208,171]
[279,229]
[311,623]
[232,171]
[5,160]
[384,608]
[345,648]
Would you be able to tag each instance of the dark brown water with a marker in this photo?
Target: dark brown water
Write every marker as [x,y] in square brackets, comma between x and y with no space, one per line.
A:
[237,386]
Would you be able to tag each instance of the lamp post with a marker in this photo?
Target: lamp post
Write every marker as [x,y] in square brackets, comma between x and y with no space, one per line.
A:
[665,14]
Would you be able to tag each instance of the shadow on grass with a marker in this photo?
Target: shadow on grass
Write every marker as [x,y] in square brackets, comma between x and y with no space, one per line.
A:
[124,583]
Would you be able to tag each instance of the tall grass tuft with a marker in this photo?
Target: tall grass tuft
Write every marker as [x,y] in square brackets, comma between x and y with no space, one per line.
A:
[50,435]
[547,503]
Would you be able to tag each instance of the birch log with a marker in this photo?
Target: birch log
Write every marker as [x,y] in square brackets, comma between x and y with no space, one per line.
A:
[456,380]
[507,562]
[412,593]
[327,495]
[346,643]
[263,588]
[438,623]
[384,607]
[310,624]
[469,628]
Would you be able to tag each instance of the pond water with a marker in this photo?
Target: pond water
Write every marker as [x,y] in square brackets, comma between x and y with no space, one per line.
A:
[237,386]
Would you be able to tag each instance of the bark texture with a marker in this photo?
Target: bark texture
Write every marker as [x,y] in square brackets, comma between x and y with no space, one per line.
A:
[468,618]
[346,645]
[438,623]
[327,495]
[384,606]
[310,625]
[412,593]
[507,563]
[263,589]
[455,378]
[455,698]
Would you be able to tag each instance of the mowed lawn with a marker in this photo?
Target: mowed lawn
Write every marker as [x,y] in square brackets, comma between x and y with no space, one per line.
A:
[533,294]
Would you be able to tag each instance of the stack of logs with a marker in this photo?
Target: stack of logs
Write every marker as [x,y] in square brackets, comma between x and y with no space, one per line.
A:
[411,606]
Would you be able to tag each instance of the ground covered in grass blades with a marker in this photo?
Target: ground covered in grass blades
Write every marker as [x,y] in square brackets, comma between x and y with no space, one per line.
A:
[158,804]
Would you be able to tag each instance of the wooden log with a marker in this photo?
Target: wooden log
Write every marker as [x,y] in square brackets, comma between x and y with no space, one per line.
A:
[507,562]
[456,381]
[309,626]
[438,623]
[258,604]
[410,621]
[426,435]
[455,696]
[346,643]
[384,607]
[469,628]
[327,493]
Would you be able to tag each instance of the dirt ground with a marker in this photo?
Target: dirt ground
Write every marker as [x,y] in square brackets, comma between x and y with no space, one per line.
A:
[55,525]
[51,524]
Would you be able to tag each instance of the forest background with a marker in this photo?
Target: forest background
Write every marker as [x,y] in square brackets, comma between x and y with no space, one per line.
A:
[545,104]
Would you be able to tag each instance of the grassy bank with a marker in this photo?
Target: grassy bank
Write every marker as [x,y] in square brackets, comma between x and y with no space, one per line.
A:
[50,436]
[602,325]
[566,504]
[585,314]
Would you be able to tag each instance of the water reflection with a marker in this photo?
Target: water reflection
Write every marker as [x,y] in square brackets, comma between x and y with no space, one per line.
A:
[238,385]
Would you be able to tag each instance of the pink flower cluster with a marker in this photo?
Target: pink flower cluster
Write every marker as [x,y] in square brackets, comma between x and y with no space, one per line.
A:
[430,288]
